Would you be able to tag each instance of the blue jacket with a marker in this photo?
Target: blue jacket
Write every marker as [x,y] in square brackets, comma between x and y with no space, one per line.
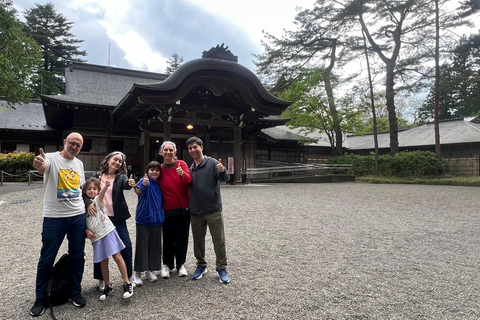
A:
[150,205]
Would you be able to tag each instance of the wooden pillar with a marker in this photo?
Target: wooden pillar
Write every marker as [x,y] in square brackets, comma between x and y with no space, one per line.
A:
[206,143]
[146,149]
[237,152]
[167,131]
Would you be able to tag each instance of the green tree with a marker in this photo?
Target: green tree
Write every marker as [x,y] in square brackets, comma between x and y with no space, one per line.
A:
[19,54]
[174,63]
[311,111]
[59,46]
[459,83]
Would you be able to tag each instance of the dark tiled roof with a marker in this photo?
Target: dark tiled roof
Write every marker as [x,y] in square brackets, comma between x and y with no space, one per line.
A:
[451,132]
[29,117]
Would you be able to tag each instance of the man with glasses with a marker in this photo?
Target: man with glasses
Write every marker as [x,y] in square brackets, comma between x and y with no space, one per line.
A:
[63,214]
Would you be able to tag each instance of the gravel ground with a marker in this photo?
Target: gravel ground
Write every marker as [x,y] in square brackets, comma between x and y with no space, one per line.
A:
[296,251]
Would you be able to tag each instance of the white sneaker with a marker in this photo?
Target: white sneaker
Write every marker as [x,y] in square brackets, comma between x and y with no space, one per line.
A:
[151,276]
[165,272]
[137,279]
[182,272]
[101,285]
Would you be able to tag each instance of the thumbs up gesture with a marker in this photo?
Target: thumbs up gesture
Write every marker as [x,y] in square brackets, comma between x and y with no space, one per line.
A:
[179,170]
[220,166]
[107,183]
[145,180]
[39,162]
[131,181]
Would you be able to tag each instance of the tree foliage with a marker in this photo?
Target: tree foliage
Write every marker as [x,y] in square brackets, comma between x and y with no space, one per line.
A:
[59,46]
[399,34]
[174,63]
[19,54]
[459,83]
[311,112]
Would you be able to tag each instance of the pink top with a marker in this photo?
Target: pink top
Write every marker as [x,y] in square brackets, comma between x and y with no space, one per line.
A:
[107,198]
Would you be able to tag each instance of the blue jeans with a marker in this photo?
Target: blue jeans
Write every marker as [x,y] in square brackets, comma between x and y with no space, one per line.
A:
[126,253]
[53,233]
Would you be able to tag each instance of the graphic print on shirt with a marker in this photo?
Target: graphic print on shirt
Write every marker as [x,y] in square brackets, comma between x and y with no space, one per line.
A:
[68,184]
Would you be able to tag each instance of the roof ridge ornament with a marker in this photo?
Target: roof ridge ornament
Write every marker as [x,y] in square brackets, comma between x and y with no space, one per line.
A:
[220,52]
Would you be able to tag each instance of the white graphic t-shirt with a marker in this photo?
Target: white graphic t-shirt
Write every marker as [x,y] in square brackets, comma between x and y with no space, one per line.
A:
[62,179]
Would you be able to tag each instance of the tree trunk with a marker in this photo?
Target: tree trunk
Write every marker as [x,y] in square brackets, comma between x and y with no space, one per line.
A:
[392,115]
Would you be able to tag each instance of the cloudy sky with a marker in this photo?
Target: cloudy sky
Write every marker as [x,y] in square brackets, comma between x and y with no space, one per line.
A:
[144,34]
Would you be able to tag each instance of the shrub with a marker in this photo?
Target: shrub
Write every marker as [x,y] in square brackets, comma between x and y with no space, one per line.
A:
[16,162]
[402,164]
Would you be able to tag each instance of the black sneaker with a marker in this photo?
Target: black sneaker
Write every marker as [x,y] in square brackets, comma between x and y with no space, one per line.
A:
[106,292]
[127,290]
[79,301]
[38,308]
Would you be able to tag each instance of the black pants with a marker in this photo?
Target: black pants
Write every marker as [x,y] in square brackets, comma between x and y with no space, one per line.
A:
[175,240]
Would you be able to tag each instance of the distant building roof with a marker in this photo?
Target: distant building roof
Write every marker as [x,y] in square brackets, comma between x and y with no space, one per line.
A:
[28,117]
[453,131]
[101,85]
[284,133]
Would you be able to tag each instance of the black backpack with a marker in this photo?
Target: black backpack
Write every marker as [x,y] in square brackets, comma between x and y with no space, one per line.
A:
[60,283]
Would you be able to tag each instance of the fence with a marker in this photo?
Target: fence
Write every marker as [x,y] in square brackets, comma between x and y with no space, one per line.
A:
[30,176]
[273,170]
[467,167]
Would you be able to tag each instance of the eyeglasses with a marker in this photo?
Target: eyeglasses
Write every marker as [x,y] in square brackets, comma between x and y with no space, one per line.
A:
[74,144]
[168,150]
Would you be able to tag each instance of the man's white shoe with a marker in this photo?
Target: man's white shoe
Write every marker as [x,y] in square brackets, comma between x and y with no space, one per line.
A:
[165,272]
[182,272]
[151,276]
[137,279]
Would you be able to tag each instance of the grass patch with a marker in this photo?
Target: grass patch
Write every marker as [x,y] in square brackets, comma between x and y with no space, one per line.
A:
[443,180]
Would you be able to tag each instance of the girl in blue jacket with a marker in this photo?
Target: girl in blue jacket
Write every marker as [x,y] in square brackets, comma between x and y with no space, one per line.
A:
[149,218]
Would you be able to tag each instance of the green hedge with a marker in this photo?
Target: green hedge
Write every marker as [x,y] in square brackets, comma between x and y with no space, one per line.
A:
[402,164]
[16,163]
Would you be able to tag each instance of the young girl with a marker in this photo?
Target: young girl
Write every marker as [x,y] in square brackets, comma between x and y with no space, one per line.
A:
[105,239]
[149,217]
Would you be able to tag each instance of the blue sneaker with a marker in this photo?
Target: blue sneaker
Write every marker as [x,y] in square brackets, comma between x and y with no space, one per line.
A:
[199,272]
[223,276]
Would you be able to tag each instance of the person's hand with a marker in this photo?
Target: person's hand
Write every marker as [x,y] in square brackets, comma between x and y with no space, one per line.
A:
[92,210]
[39,162]
[90,234]
[180,170]
[220,166]
[145,180]
[131,181]
[107,183]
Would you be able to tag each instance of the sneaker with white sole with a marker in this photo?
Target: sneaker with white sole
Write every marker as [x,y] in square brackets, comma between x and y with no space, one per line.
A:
[151,276]
[106,292]
[38,308]
[137,279]
[101,285]
[165,272]
[223,276]
[127,290]
[199,272]
[182,272]
[131,281]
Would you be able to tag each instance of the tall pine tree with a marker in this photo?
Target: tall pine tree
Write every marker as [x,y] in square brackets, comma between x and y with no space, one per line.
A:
[59,46]
[19,54]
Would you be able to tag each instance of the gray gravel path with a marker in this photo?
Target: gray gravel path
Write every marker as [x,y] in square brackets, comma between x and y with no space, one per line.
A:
[296,251]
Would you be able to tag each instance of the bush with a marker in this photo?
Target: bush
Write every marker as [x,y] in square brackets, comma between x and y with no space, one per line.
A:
[402,164]
[16,163]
